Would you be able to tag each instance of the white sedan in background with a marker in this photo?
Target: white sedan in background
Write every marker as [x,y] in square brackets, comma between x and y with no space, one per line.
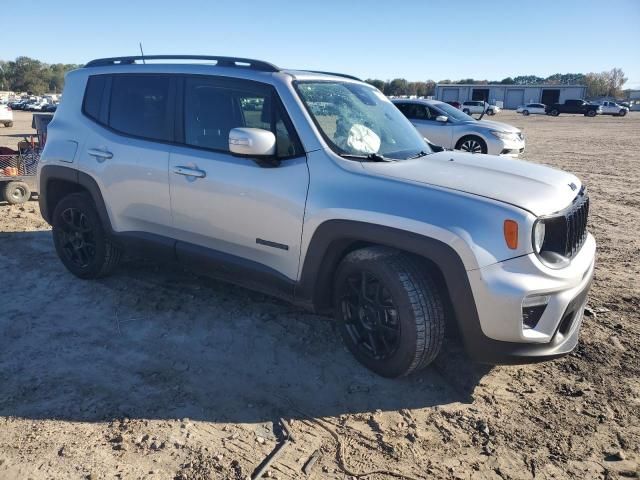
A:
[532,108]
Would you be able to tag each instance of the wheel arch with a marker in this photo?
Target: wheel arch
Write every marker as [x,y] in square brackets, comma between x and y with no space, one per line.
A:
[57,181]
[334,239]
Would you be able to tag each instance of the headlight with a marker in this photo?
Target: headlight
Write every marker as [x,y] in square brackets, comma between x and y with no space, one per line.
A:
[503,135]
[538,235]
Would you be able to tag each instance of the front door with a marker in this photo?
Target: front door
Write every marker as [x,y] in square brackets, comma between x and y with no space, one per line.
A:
[424,119]
[231,206]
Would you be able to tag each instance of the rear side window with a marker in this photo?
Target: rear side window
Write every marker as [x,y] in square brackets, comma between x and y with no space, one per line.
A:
[212,109]
[140,106]
[93,96]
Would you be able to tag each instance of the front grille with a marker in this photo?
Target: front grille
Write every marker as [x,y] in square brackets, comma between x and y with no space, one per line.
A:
[567,231]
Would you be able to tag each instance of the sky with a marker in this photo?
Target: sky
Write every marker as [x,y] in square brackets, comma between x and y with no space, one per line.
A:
[416,40]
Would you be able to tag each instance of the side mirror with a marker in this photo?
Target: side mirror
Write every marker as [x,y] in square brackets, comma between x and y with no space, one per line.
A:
[252,142]
[442,118]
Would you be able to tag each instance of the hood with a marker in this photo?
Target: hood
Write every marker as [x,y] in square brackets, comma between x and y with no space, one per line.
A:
[503,127]
[539,189]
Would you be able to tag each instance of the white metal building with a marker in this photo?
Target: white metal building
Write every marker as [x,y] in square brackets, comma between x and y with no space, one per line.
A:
[511,96]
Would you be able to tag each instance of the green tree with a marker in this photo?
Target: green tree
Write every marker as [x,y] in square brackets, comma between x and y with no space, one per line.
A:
[379,84]
[397,86]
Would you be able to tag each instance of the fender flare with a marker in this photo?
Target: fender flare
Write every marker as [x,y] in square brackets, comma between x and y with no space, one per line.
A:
[333,239]
[82,180]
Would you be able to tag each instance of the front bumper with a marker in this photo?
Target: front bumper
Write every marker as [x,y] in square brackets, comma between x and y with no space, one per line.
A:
[510,148]
[499,290]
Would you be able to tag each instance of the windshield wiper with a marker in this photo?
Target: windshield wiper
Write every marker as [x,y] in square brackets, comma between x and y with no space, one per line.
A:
[372,157]
[422,153]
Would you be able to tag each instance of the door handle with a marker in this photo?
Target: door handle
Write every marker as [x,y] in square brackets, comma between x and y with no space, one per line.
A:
[97,153]
[189,172]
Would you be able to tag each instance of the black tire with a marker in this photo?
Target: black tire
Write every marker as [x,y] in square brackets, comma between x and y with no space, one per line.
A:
[555,112]
[16,192]
[80,239]
[398,297]
[622,113]
[491,112]
[525,113]
[8,124]
[466,110]
[590,113]
[472,144]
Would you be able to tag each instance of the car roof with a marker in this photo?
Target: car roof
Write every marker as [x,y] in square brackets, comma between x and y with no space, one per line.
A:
[210,65]
[422,101]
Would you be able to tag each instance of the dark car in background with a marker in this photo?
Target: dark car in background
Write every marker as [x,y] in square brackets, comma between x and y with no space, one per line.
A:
[576,107]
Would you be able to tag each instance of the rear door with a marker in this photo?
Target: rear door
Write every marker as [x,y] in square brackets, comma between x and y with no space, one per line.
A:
[127,148]
[227,205]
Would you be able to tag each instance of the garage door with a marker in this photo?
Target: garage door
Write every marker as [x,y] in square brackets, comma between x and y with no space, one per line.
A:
[450,94]
[515,98]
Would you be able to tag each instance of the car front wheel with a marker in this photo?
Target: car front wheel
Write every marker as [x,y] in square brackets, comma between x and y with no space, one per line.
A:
[591,113]
[525,112]
[389,311]
[472,144]
[622,113]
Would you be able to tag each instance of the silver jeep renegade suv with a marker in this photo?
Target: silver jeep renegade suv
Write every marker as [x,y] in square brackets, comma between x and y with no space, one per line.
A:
[315,188]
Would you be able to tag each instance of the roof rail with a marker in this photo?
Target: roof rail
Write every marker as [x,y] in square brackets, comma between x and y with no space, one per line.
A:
[220,61]
[335,74]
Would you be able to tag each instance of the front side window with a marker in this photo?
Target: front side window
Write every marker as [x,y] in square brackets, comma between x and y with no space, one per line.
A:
[140,106]
[453,113]
[357,119]
[211,110]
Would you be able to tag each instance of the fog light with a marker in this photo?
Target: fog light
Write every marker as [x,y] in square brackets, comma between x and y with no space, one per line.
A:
[532,310]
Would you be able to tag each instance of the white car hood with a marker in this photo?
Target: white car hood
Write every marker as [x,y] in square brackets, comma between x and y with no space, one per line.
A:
[503,127]
[537,188]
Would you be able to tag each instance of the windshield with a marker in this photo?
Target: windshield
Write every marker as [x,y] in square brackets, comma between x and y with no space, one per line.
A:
[452,112]
[357,119]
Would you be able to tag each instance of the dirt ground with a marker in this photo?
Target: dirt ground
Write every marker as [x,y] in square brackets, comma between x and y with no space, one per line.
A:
[156,373]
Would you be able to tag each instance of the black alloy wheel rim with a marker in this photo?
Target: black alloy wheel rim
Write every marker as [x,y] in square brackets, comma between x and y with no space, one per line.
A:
[77,238]
[370,316]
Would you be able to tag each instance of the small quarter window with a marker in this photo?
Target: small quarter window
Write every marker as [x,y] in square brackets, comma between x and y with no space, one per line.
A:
[93,96]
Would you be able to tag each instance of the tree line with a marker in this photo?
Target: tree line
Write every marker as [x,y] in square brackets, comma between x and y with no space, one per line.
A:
[26,74]
[603,84]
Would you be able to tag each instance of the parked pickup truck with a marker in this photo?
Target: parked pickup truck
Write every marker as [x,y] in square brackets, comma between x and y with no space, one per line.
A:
[574,106]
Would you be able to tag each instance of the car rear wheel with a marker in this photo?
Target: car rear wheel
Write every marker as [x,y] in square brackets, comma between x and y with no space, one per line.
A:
[16,192]
[8,124]
[472,144]
[491,112]
[80,240]
[525,112]
[591,113]
[555,112]
[466,110]
[389,311]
